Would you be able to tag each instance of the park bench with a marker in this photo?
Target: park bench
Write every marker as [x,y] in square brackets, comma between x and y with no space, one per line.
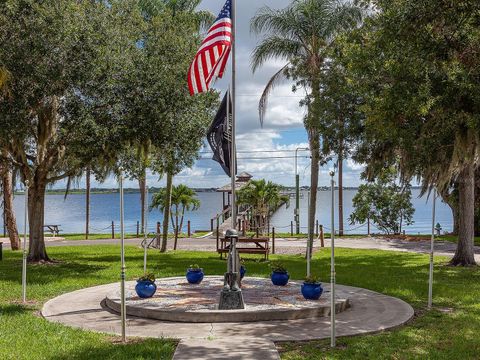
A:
[246,245]
[53,229]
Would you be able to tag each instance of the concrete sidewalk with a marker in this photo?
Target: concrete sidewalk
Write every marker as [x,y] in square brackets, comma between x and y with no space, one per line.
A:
[286,246]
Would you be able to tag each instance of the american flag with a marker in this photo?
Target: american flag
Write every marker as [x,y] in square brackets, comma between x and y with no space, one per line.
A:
[211,59]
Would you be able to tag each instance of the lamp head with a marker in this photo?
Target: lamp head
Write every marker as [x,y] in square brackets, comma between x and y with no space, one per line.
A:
[332,173]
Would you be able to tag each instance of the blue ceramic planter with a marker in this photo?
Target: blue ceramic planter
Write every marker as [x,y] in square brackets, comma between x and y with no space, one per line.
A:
[195,276]
[279,278]
[243,271]
[312,291]
[145,289]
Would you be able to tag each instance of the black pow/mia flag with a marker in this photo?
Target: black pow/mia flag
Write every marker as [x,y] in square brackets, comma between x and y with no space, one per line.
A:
[220,135]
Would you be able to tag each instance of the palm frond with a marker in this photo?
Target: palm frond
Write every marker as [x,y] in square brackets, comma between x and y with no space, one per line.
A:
[280,76]
[274,47]
[283,22]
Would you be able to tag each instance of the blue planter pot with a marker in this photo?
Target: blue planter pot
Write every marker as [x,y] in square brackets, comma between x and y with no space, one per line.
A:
[195,276]
[279,278]
[243,271]
[145,289]
[312,291]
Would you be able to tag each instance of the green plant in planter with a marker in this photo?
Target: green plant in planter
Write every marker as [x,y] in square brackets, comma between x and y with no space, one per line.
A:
[147,277]
[194,267]
[278,267]
[312,279]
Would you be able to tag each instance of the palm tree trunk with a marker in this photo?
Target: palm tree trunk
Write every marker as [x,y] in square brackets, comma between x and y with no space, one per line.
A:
[10,220]
[175,231]
[87,203]
[181,219]
[464,254]
[340,193]
[166,213]
[142,185]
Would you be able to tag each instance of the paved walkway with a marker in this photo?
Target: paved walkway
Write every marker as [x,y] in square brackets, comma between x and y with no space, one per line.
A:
[288,246]
[370,312]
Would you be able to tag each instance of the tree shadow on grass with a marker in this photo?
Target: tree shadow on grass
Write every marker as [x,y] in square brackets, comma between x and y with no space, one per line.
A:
[13,309]
[137,349]
[11,271]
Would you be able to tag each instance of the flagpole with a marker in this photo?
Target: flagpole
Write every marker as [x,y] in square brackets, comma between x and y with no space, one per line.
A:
[145,232]
[233,162]
[24,260]
[432,240]
[122,260]
[332,266]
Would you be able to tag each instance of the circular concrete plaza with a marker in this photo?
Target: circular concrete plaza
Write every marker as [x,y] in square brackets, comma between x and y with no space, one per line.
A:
[177,300]
[192,314]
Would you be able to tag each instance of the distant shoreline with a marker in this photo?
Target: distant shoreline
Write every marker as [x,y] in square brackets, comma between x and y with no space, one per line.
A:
[156,189]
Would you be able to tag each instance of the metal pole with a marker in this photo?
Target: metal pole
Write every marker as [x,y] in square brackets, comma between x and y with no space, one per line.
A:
[297,195]
[122,273]
[297,191]
[332,266]
[233,162]
[24,263]
[145,232]
[430,277]
[308,245]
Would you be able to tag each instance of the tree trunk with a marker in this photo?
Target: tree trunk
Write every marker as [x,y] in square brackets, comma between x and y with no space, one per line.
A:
[181,219]
[142,184]
[87,203]
[340,193]
[10,221]
[36,210]
[464,254]
[477,202]
[166,213]
[175,229]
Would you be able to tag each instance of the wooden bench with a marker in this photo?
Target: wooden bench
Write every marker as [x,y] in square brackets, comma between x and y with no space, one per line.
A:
[261,246]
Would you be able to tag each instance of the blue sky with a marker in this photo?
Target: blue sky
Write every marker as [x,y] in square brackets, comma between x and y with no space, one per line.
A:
[283,128]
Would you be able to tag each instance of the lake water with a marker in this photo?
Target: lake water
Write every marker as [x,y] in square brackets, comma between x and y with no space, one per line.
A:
[70,213]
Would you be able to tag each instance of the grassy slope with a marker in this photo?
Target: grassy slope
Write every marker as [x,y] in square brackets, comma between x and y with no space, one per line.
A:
[437,335]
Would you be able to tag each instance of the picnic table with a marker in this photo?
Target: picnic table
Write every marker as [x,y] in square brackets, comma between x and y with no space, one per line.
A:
[54,229]
[246,245]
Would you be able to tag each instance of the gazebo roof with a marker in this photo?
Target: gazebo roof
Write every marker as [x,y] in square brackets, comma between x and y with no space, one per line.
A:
[240,182]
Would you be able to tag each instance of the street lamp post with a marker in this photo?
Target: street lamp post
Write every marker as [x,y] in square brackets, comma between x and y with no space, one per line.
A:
[297,190]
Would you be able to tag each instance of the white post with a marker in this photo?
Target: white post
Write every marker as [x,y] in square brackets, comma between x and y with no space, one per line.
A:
[145,231]
[233,162]
[332,266]
[122,273]
[308,238]
[24,263]
[430,277]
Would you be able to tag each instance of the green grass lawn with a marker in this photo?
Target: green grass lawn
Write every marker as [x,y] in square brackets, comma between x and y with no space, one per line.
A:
[452,334]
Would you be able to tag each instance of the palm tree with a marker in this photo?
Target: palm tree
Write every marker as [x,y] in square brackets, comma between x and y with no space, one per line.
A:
[182,198]
[264,197]
[301,34]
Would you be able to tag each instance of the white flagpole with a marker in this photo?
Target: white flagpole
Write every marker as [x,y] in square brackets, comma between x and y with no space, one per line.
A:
[430,277]
[122,273]
[233,162]
[308,241]
[145,224]
[24,263]
[332,267]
